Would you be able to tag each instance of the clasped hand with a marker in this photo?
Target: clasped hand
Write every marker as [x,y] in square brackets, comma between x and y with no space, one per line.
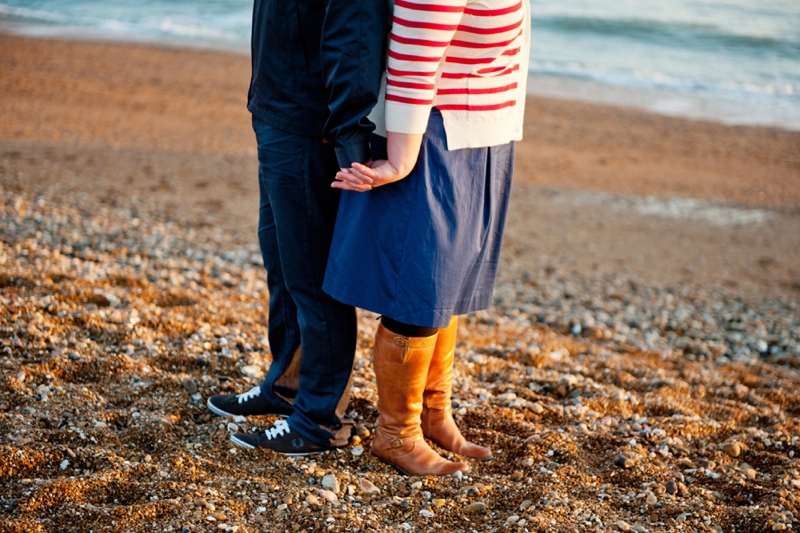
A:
[366,177]
[403,150]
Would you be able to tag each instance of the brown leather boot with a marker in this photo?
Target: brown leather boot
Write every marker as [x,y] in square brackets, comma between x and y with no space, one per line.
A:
[401,366]
[437,412]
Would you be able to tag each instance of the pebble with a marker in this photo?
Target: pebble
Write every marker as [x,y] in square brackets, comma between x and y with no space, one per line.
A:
[252,371]
[651,498]
[424,513]
[622,525]
[513,519]
[622,461]
[330,482]
[357,450]
[732,449]
[476,508]
[779,526]
[64,464]
[368,487]
[190,386]
[312,499]
[671,487]
[537,408]
[328,495]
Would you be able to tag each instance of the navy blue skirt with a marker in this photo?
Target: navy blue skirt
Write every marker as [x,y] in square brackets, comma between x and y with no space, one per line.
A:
[427,247]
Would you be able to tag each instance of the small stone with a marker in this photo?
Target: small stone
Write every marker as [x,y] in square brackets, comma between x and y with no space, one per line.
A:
[537,408]
[329,495]
[357,450]
[622,461]
[525,505]
[476,508]
[64,464]
[219,516]
[651,498]
[778,526]
[513,519]
[330,482]
[288,499]
[252,371]
[368,487]
[312,499]
[750,473]
[516,476]
[732,449]
[623,526]
[190,386]
[671,487]
[416,485]
[424,513]
[147,458]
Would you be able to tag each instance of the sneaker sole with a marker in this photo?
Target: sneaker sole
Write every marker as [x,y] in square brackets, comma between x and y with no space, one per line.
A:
[219,412]
[243,444]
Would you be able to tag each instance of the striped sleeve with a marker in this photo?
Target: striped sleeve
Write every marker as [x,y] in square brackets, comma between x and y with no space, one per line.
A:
[421,32]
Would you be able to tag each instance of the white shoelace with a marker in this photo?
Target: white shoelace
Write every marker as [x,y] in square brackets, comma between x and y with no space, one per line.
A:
[281,427]
[252,393]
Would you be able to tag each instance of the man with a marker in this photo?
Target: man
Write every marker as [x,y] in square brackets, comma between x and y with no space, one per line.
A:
[317,66]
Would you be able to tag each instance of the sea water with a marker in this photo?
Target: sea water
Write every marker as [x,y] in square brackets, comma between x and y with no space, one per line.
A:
[735,61]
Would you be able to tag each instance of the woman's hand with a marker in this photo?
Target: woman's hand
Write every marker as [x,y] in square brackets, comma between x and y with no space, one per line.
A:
[403,150]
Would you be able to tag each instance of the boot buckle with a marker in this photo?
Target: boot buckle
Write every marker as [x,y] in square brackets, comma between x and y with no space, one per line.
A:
[395,443]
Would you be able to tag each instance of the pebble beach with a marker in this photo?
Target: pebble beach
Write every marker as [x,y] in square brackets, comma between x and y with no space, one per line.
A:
[639,370]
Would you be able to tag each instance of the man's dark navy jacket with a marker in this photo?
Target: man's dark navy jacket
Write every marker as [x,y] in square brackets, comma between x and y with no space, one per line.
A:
[317,66]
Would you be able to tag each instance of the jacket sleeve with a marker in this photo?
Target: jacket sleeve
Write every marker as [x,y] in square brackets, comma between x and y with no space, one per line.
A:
[352,56]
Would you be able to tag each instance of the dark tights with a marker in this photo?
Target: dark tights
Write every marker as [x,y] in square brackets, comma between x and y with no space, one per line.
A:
[407,330]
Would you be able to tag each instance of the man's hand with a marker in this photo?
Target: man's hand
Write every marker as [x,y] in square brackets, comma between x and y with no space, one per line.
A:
[403,150]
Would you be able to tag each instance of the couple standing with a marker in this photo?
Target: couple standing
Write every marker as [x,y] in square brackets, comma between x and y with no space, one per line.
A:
[401,213]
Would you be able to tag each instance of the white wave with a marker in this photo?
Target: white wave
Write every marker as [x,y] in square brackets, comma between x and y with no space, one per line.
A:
[649,79]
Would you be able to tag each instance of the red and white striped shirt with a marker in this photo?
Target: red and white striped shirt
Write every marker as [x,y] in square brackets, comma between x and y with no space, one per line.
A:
[469,59]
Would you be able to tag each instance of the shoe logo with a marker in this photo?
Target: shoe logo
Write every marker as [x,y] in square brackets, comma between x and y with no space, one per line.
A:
[298,443]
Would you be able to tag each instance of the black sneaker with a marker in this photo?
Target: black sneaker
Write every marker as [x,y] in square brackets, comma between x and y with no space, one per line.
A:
[280,438]
[247,403]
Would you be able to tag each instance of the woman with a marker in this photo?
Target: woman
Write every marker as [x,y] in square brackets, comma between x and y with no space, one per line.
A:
[417,239]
